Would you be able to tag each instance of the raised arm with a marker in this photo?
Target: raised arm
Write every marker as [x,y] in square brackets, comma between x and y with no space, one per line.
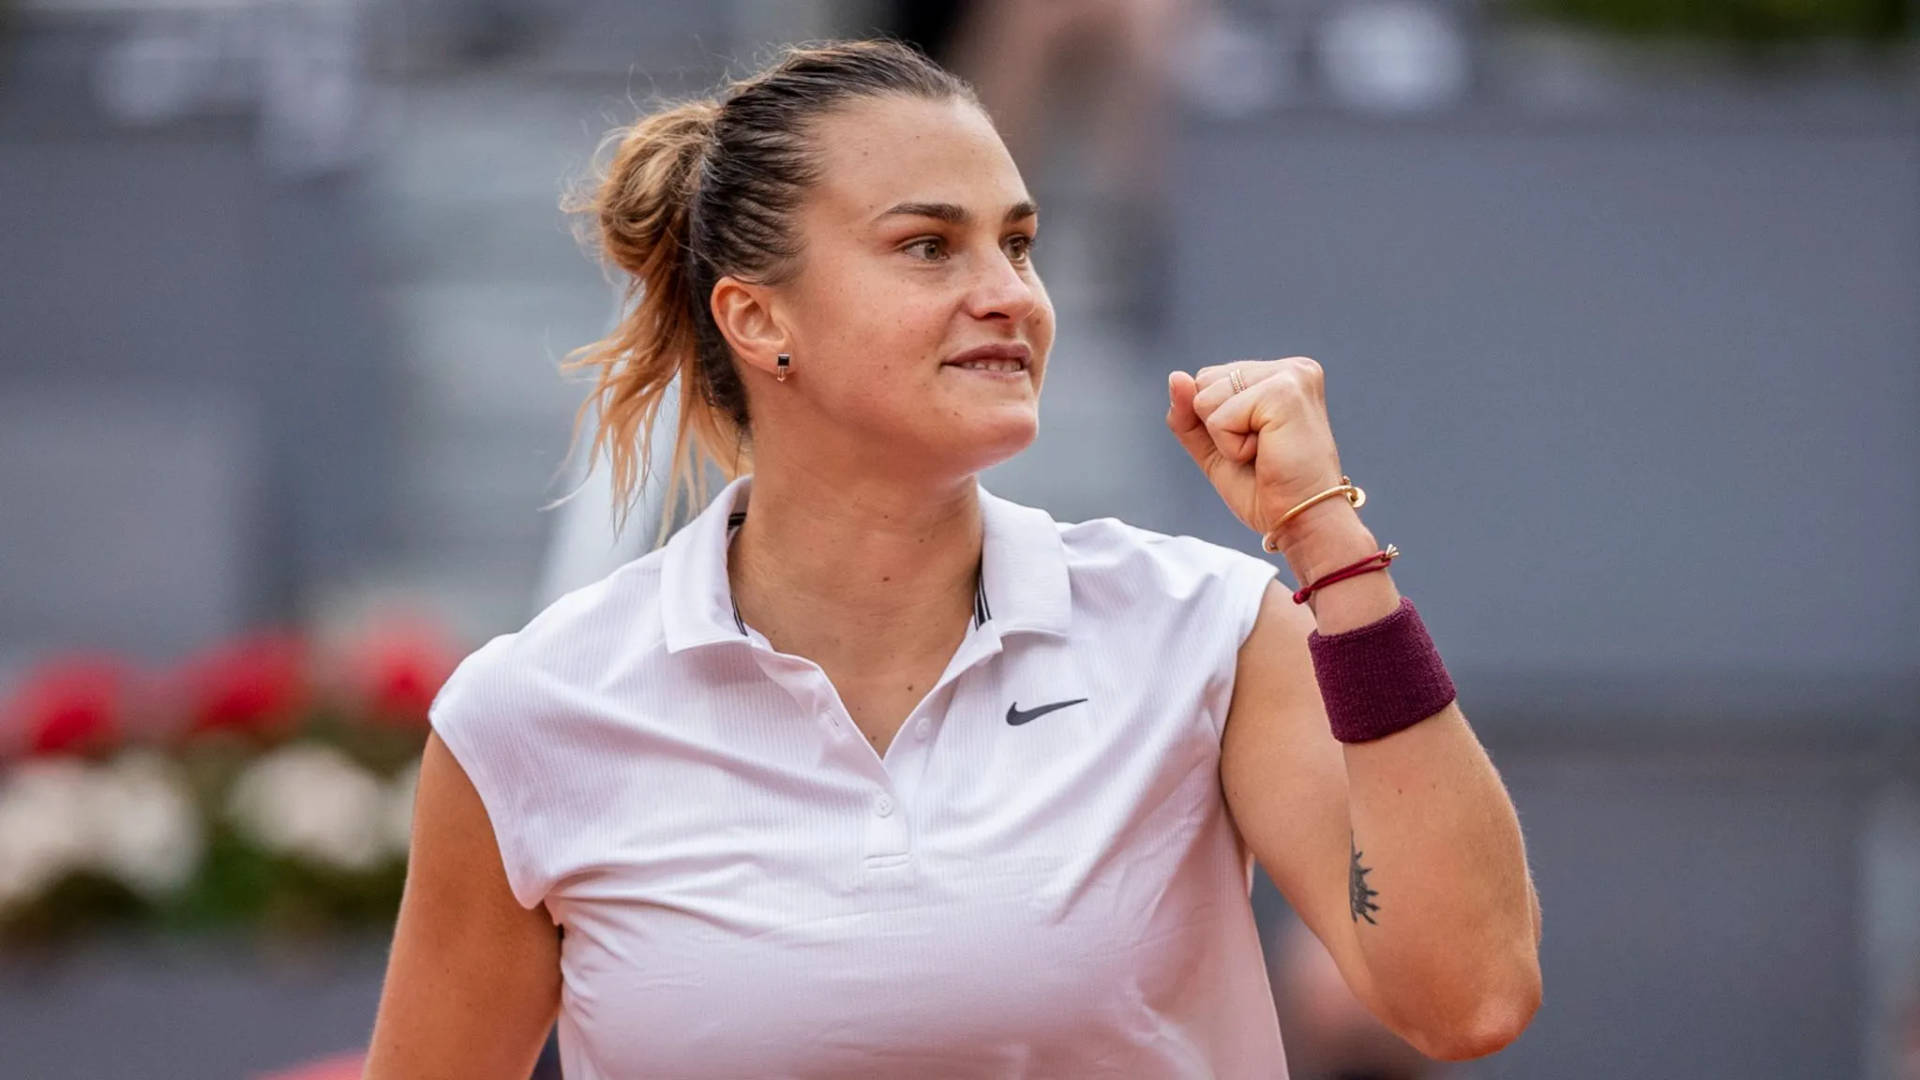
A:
[1403,854]
[1401,851]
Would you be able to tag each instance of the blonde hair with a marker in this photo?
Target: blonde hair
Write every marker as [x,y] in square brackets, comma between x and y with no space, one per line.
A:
[693,192]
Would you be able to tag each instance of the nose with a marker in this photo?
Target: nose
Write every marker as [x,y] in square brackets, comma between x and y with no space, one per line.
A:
[1000,289]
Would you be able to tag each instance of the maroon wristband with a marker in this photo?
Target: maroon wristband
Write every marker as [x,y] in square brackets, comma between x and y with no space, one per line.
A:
[1380,678]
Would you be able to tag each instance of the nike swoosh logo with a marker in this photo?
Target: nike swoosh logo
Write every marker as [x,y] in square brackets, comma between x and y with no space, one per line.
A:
[1016,716]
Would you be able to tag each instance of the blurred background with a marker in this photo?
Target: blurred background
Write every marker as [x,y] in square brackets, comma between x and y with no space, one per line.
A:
[1619,302]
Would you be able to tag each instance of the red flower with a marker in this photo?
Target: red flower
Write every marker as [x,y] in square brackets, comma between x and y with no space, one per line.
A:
[74,704]
[400,665]
[256,684]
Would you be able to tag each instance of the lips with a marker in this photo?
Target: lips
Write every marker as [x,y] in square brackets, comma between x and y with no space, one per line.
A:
[999,357]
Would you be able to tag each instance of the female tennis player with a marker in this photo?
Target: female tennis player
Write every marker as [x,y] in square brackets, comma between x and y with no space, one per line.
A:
[870,772]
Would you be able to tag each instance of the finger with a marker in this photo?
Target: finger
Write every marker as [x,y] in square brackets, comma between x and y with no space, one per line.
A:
[1228,417]
[1251,371]
[1217,385]
[1215,373]
[1185,424]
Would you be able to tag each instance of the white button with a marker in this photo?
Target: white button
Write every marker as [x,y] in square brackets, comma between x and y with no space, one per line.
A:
[920,729]
[883,806]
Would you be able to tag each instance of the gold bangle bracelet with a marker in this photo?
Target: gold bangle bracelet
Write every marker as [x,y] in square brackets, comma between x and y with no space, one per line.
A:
[1354,495]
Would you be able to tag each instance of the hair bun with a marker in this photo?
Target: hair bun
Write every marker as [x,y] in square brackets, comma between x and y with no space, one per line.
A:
[643,199]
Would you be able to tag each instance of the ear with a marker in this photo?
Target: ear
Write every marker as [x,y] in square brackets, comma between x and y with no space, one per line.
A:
[744,313]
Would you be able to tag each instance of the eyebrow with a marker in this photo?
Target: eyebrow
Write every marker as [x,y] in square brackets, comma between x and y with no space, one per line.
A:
[954,214]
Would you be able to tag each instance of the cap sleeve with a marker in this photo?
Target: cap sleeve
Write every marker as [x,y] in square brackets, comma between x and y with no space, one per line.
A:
[1239,585]
[486,727]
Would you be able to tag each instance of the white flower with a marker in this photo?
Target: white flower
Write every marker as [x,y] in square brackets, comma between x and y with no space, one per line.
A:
[147,831]
[400,792]
[45,825]
[311,801]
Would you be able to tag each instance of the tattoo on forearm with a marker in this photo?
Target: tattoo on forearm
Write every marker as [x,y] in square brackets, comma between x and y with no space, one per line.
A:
[1357,891]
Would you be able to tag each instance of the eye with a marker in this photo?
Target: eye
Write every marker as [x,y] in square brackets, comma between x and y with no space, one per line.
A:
[934,246]
[1020,246]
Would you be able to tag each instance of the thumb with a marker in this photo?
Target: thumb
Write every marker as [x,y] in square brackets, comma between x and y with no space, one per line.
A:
[1186,424]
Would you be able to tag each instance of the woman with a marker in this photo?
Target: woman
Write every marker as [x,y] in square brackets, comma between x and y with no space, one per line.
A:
[869,772]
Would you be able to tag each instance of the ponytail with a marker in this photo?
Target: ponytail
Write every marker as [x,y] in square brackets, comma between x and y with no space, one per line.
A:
[640,208]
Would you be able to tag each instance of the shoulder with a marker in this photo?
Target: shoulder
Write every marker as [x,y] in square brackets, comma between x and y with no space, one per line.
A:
[1129,574]
[572,640]
[613,609]
[1168,603]
[1179,566]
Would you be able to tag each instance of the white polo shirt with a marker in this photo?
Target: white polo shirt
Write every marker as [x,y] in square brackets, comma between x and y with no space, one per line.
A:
[1039,878]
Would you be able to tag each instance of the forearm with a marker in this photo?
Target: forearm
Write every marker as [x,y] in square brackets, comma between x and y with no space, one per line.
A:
[1442,913]
[1443,909]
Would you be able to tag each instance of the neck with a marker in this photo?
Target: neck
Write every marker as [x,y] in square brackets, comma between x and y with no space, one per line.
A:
[862,572]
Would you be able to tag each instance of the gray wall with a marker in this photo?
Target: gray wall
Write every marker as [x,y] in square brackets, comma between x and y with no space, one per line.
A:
[1638,400]
[199,375]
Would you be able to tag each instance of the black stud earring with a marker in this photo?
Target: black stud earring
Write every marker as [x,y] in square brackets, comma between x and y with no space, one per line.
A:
[780,372]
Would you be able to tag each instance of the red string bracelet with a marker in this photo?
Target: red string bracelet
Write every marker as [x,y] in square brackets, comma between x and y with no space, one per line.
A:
[1376,561]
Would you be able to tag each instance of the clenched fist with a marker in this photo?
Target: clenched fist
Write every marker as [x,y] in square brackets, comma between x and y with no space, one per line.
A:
[1266,448]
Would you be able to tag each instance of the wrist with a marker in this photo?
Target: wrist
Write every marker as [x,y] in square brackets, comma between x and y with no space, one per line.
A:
[1324,538]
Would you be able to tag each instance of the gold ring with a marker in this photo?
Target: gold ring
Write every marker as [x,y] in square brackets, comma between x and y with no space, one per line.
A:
[1234,380]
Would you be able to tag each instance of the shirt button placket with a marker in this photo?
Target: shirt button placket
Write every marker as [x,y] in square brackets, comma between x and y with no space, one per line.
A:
[886,833]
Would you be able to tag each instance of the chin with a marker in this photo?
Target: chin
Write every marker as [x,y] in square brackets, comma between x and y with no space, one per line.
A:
[971,439]
[1000,437]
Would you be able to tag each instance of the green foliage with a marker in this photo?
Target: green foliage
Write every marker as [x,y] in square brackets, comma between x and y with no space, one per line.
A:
[1750,21]
[241,885]
[77,904]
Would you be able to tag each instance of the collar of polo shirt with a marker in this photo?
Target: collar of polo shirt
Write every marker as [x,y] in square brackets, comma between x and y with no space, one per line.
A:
[1023,574]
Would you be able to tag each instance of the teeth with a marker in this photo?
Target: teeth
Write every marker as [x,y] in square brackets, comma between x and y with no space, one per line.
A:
[992,365]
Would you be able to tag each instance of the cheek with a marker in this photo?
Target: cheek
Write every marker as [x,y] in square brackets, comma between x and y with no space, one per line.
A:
[1042,321]
[879,344]
[877,321]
